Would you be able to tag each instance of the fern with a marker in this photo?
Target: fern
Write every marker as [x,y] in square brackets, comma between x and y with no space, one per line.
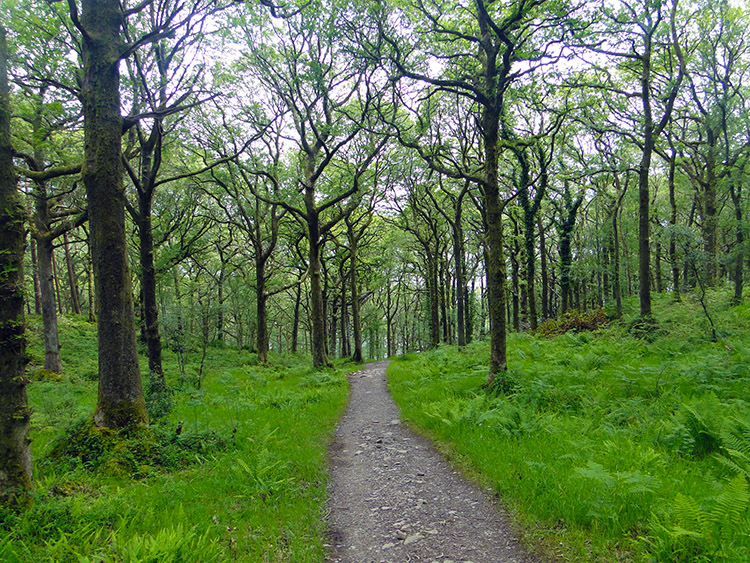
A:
[731,504]
[705,440]
[736,452]
[698,530]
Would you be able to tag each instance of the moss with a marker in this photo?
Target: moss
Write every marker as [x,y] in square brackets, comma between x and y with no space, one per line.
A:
[45,375]
[112,452]
[126,415]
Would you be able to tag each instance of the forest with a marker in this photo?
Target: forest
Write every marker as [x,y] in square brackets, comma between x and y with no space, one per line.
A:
[211,211]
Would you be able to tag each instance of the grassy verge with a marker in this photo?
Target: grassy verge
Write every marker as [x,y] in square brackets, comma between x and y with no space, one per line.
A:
[241,472]
[609,447]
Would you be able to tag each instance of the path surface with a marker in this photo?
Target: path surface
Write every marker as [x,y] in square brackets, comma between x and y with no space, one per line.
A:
[395,499]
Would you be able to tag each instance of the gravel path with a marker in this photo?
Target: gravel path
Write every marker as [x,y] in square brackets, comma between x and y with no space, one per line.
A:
[395,499]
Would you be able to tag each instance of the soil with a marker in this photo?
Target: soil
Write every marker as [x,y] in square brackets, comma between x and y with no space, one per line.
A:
[394,498]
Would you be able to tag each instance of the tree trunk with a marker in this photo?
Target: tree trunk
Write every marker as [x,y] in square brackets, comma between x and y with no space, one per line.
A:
[657,268]
[52,359]
[644,196]
[317,320]
[15,455]
[333,332]
[388,319]
[458,258]
[443,284]
[148,290]
[543,265]
[75,302]
[354,290]
[495,263]
[434,297]
[35,276]
[515,281]
[345,349]
[120,401]
[709,222]
[672,235]
[220,312]
[90,283]
[261,301]
[616,290]
[295,320]
[56,280]
[565,266]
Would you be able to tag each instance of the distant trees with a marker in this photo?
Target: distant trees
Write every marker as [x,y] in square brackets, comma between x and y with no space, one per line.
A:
[363,180]
[481,57]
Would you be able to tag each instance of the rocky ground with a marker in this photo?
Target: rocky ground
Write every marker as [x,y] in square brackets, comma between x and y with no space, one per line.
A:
[395,499]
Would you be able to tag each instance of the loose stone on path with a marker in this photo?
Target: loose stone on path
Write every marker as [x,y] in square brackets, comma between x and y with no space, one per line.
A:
[395,499]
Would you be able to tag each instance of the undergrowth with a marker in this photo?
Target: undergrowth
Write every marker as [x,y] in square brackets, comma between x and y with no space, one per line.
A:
[631,443]
[233,471]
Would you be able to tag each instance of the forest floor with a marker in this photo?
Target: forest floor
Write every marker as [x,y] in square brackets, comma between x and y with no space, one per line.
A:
[395,498]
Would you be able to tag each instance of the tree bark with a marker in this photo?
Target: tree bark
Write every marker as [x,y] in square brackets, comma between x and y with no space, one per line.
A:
[90,284]
[52,359]
[295,321]
[543,266]
[56,280]
[120,401]
[354,290]
[317,320]
[495,263]
[35,276]
[15,455]
[261,302]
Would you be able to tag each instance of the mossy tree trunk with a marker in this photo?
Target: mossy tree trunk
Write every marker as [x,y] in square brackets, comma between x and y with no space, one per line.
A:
[543,265]
[15,456]
[566,225]
[52,359]
[120,401]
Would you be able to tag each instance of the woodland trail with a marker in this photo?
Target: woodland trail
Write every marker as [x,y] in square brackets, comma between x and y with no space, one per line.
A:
[395,499]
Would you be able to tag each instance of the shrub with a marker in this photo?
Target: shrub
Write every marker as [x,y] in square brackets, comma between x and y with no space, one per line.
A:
[646,328]
[575,321]
[134,452]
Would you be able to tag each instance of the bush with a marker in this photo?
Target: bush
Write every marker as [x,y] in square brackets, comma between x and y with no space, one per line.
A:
[646,328]
[575,321]
[134,452]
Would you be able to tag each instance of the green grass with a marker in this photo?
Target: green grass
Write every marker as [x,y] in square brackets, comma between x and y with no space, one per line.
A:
[243,480]
[609,448]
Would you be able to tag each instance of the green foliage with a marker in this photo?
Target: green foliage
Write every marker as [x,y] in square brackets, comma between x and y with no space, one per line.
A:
[159,397]
[699,533]
[45,375]
[646,328]
[606,441]
[735,453]
[234,471]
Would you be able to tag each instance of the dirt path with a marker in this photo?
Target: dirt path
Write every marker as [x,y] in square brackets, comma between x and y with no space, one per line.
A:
[395,499]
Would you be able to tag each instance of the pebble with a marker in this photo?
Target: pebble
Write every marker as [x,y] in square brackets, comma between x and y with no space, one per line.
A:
[414,538]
